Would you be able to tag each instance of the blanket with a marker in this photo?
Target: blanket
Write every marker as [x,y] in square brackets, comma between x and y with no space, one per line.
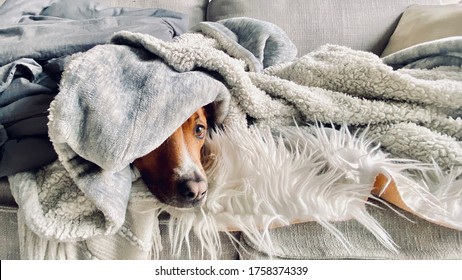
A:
[37,37]
[314,172]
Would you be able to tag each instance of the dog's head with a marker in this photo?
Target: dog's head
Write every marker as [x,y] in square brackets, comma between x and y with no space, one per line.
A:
[173,172]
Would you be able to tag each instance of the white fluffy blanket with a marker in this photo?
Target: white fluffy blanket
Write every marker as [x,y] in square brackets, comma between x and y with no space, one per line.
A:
[273,172]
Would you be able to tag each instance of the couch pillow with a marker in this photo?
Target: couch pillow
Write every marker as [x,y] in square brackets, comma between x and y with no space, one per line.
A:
[195,9]
[359,24]
[423,23]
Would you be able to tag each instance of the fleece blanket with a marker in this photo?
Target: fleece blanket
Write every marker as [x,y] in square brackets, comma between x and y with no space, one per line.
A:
[288,170]
[37,37]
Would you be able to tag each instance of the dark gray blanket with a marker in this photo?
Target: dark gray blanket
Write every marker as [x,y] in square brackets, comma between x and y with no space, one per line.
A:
[36,38]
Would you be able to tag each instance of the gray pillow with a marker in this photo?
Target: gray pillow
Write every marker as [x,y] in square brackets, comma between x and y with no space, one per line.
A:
[424,23]
[359,24]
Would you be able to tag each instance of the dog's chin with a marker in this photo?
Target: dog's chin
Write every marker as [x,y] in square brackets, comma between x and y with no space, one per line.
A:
[173,201]
[184,205]
[188,205]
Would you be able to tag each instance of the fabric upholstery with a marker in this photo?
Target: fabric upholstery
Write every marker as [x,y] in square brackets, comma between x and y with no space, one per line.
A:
[423,23]
[228,247]
[416,239]
[359,24]
[195,9]
[6,198]
[9,237]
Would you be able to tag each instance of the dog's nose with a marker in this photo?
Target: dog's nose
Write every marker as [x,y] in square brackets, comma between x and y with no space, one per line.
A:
[193,191]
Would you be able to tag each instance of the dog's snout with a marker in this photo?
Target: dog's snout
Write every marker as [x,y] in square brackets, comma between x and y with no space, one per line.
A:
[193,191]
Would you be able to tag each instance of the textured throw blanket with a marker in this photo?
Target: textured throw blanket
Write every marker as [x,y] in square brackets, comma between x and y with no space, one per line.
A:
[285,174]
[37,37]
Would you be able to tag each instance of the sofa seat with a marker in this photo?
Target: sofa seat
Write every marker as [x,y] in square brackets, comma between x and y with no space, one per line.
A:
[420,240]
[9,242]
[9,238]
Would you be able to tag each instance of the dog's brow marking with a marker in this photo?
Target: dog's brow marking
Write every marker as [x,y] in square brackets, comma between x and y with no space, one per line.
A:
[186,164]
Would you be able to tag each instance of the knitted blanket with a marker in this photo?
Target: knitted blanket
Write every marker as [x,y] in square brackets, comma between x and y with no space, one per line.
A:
[286,172]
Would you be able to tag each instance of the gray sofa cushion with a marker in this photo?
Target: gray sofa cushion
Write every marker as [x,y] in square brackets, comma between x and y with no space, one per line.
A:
[9,238]
[195,9]
[196,252]
[416,240]
[359,24]
[6,198]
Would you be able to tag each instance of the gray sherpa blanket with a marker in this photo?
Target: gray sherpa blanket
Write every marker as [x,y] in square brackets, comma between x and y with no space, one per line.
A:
[315,173]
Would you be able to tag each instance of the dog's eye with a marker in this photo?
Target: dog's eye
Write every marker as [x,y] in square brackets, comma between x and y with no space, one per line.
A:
[200,131]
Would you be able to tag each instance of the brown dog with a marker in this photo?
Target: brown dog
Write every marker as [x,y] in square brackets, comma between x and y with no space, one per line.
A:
[173,172]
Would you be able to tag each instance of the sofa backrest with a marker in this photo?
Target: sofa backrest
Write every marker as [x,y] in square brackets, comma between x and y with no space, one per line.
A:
[359,24]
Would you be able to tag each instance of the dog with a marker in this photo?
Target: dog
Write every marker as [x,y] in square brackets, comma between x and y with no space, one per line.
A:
[173,172]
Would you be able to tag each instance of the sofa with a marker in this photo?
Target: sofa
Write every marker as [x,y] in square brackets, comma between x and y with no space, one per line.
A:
[371,26]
